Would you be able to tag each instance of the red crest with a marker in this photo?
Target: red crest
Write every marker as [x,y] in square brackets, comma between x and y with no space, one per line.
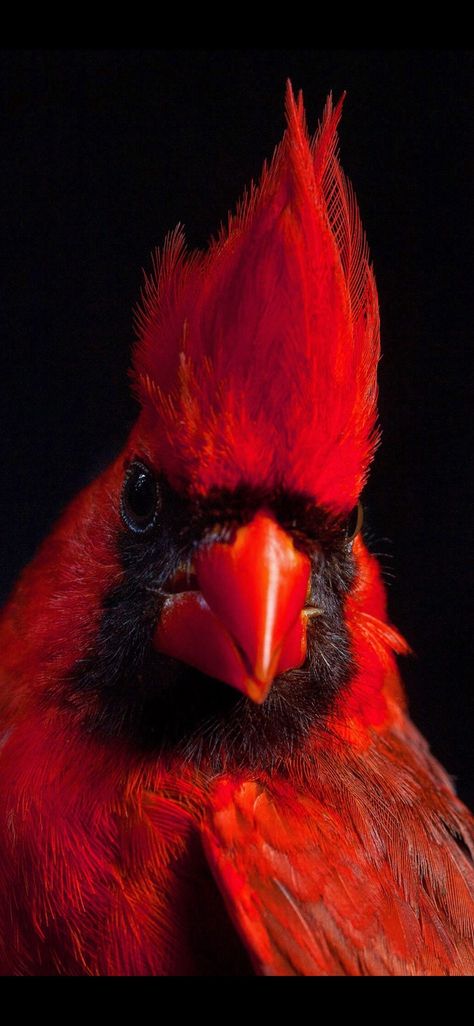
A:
[256,361]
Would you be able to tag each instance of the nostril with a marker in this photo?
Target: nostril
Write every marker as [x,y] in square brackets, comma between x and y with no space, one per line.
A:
[224,533]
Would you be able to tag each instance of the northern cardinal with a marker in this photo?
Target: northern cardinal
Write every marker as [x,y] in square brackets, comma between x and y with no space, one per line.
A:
[206,766]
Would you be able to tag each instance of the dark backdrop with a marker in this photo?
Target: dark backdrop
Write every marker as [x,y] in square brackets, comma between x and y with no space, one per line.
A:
[104,151]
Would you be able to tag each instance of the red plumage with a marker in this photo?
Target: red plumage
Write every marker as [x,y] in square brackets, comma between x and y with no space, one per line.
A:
[345,850]
[287,286]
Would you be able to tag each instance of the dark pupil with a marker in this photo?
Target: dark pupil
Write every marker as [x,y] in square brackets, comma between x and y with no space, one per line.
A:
[354,521]
[141,496]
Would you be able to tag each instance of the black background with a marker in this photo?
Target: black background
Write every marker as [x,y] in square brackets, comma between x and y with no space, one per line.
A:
[103,151]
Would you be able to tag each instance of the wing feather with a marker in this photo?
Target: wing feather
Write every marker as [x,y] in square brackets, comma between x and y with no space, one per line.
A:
[320,883]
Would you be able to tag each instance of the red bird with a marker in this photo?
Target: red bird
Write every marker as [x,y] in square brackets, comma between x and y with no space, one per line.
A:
[206,763]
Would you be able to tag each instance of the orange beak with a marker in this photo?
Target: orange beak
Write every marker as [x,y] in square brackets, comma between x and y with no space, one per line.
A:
[247,622]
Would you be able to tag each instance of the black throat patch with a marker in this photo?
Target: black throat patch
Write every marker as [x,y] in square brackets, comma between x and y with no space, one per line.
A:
[124,688]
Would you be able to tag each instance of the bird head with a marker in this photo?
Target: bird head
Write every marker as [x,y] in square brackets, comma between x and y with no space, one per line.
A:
[228,565]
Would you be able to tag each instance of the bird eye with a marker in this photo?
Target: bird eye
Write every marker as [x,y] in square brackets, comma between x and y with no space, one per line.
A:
[354,521]
[140,499]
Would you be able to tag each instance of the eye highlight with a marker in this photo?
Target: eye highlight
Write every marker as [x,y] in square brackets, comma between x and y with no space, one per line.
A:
[140,500]
[354,522]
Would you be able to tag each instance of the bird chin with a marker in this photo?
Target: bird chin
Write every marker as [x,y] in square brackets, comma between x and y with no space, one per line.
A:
[190,631]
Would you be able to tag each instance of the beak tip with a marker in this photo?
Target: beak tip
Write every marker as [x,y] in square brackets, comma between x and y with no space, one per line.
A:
[257,690]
